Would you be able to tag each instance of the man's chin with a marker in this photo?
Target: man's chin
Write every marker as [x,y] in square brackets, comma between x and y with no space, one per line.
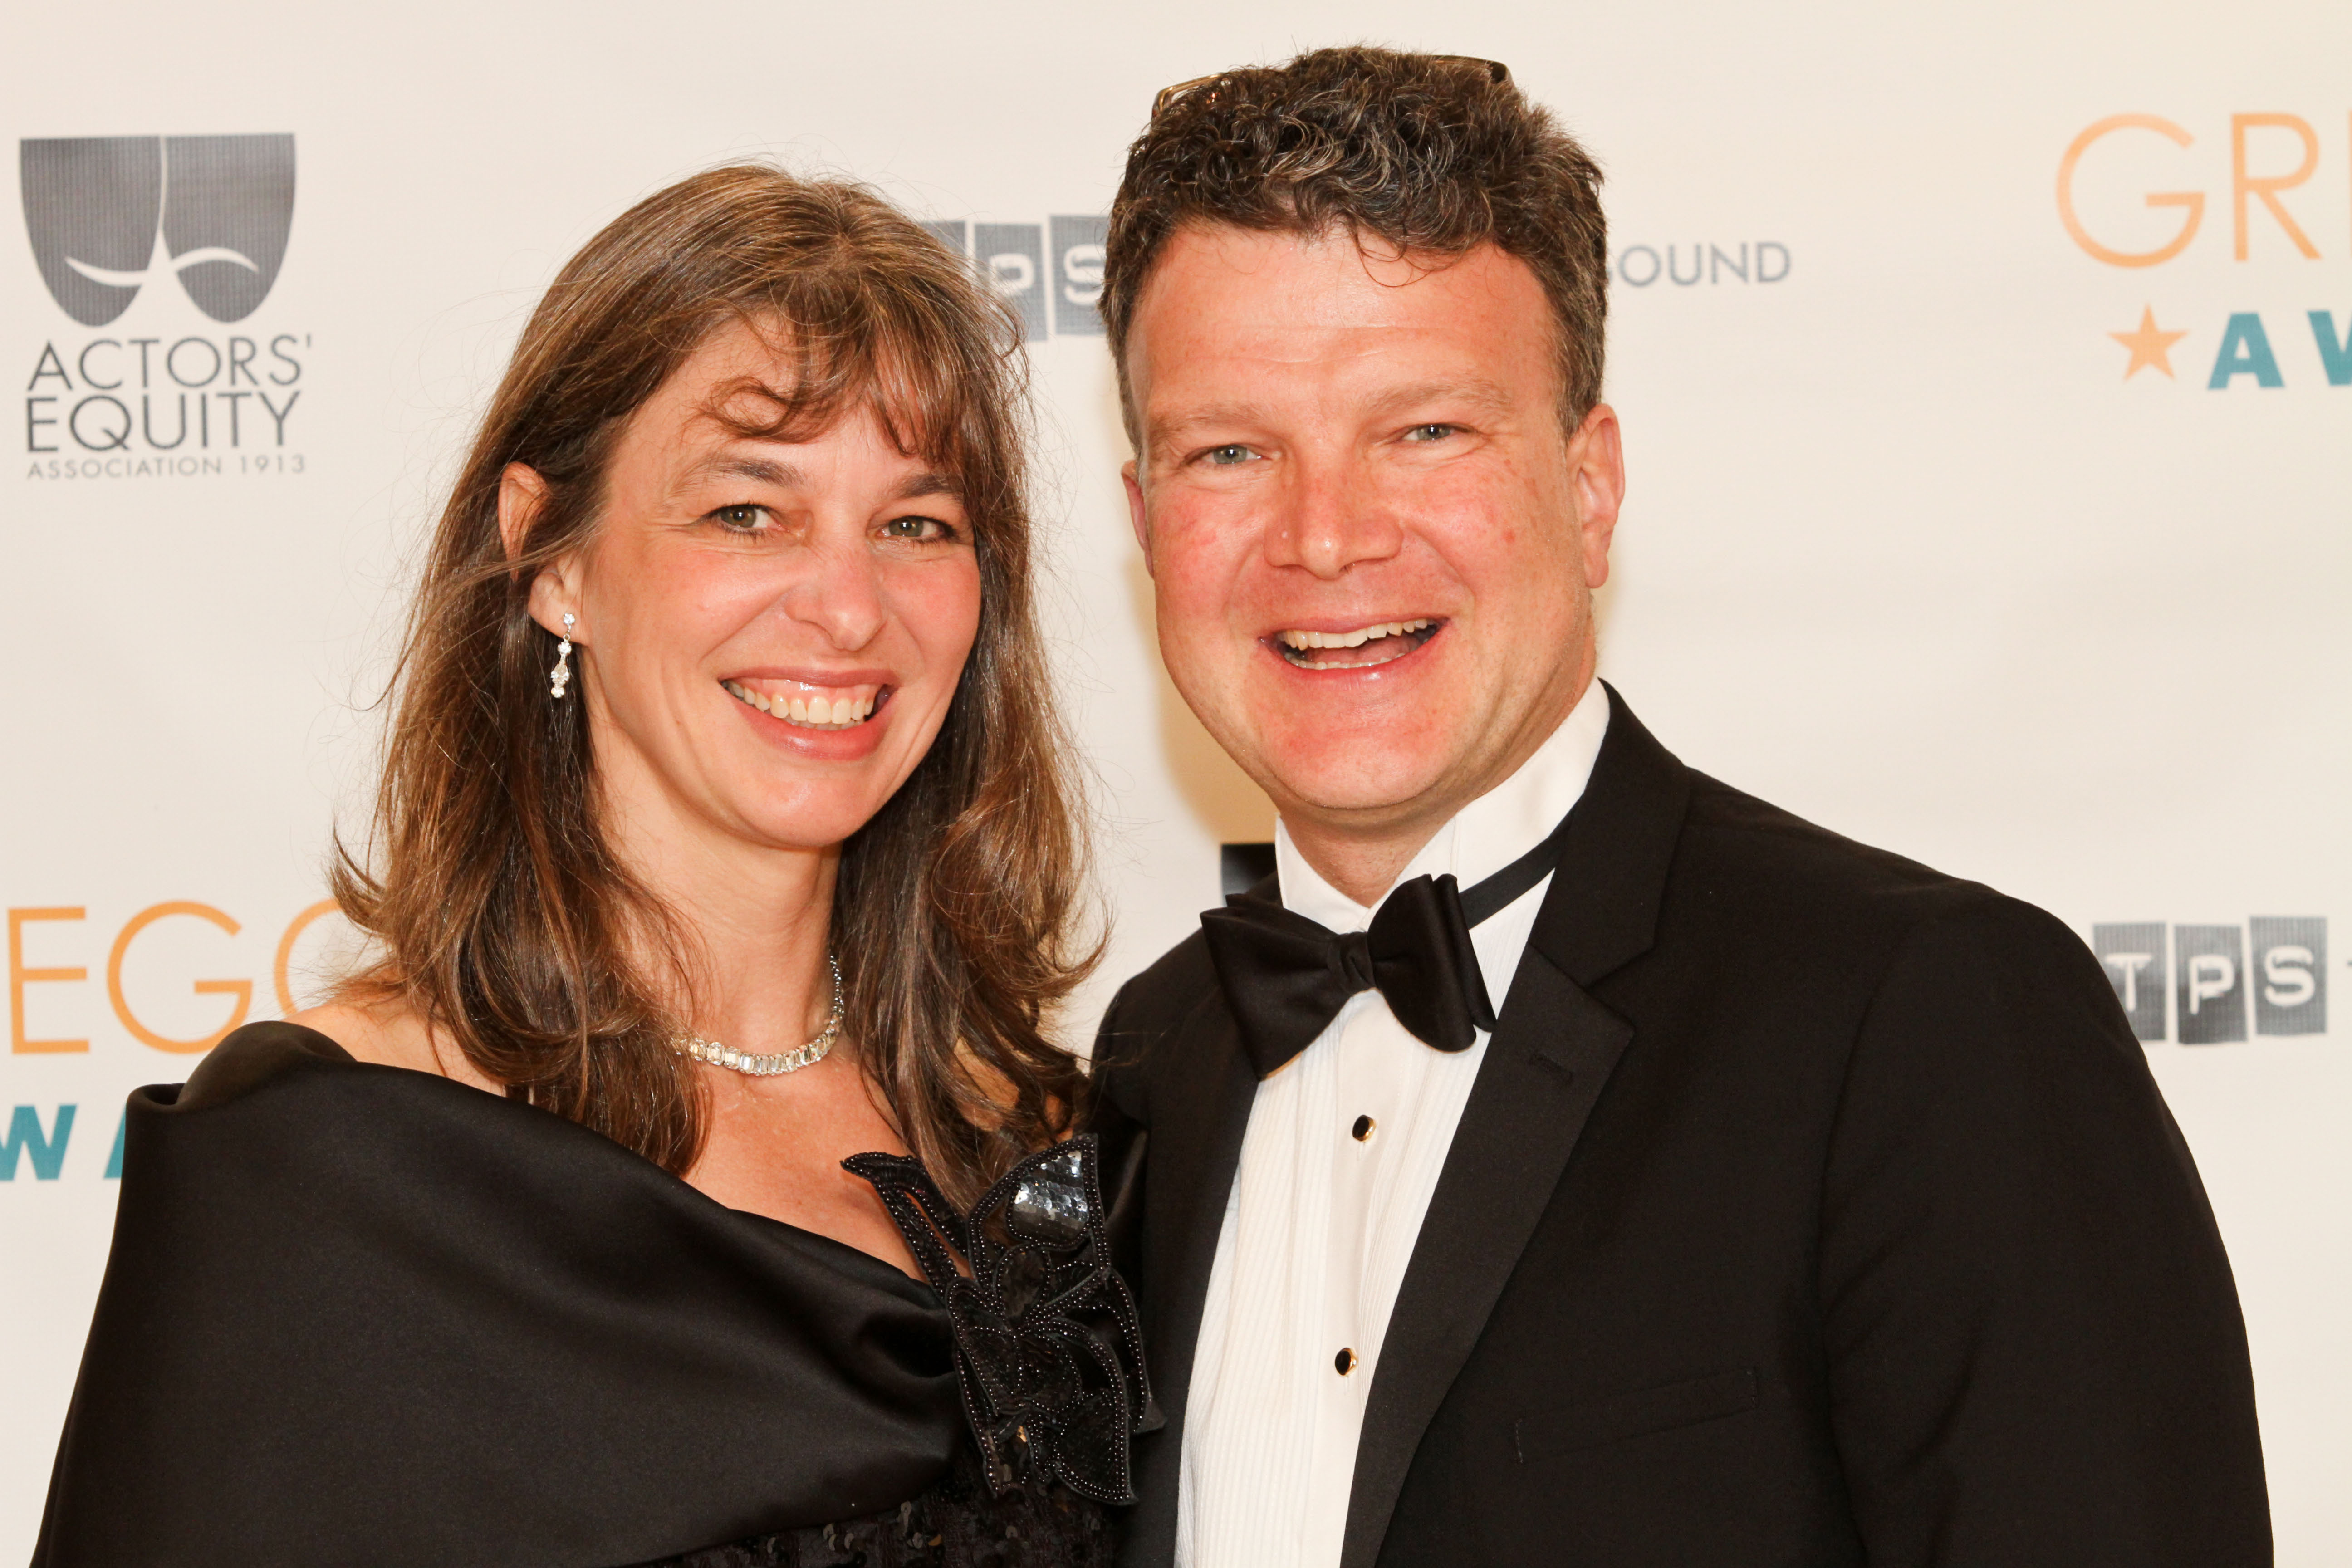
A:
[1333,786]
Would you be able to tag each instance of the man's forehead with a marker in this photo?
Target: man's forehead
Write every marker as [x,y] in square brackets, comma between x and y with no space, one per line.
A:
[1234,311]
[1221,293]
[1334,263]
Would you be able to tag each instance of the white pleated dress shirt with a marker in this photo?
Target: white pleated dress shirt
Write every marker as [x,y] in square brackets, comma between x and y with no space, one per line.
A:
[1343,1152]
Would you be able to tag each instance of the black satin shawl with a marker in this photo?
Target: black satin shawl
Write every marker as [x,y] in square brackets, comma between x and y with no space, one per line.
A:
[357,1314]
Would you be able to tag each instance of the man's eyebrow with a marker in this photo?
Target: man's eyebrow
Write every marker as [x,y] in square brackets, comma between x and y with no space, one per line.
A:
[1488,396]
[1169,426]
[1483,395]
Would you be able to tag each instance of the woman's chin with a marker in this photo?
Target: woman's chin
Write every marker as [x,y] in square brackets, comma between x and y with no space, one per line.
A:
[818,821]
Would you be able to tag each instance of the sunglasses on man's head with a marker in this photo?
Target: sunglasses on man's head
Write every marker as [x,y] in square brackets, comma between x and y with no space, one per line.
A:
[1497,72]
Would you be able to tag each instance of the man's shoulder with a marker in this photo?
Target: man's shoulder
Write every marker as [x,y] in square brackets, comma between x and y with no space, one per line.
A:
[1791,881]
[1730,834]
[1159,998]
[1154,1004]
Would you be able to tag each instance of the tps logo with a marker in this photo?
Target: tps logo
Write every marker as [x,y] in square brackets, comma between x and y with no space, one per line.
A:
[2121,200]
[108,214]
[1049,272]
[2211,977]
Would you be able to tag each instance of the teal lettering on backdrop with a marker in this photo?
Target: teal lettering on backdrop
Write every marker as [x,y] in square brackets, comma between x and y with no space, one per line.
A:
[2245,351]
[114,1161]
[2334,357]
[24,1134]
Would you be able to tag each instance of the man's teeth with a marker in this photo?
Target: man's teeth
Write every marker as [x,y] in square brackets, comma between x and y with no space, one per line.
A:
[1356,638]
[811,708]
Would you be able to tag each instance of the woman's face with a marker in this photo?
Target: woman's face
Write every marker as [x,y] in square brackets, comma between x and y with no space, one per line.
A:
[772,629]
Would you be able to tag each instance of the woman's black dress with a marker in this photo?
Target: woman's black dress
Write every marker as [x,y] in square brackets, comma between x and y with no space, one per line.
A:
[360,1315]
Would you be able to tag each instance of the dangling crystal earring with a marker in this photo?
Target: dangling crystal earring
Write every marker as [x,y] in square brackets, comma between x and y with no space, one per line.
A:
[560,676]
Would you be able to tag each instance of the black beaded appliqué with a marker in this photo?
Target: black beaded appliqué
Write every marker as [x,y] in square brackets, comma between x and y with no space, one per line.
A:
[1047,1348]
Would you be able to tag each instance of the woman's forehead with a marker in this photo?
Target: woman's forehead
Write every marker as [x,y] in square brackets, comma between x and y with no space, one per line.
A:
[763,381]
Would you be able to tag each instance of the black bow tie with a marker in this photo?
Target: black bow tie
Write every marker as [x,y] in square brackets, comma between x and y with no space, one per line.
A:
[1285,977]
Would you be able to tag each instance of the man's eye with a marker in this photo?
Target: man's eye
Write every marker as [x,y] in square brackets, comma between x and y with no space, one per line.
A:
[1430,432]
[740,519]
[1227,456]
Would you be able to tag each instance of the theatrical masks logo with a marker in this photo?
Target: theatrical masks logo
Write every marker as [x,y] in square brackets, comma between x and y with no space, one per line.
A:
[112,221]
[100,208]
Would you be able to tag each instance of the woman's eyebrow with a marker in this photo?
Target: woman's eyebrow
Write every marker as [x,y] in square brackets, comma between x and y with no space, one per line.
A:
[782,475]
[760,470]
[927,484]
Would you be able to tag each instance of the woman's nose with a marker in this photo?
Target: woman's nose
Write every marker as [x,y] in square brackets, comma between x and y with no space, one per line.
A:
[839,592]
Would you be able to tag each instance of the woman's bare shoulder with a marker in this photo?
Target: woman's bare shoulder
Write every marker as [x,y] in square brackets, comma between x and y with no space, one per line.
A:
[392,1033]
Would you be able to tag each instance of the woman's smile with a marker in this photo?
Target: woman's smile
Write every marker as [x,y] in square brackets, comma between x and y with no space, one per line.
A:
[810,706]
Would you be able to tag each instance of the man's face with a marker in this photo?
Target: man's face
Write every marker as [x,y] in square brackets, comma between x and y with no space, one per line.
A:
[1373,543]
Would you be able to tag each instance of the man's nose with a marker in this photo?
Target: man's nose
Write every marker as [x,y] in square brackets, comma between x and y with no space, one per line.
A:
[838,591]
[1332,518]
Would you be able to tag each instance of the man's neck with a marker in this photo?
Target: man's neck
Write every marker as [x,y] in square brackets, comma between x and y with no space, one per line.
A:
[1362,852]
[1363,867]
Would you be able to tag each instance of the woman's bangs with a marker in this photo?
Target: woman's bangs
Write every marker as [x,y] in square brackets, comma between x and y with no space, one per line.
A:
[835,362]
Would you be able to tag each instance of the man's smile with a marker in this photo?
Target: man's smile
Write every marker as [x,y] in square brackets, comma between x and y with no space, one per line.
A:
[1357,647]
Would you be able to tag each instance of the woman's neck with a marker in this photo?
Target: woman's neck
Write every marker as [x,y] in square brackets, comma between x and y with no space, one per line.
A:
[756,921]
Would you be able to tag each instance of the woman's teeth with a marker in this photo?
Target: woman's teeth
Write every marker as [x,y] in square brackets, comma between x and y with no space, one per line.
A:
[1303,648]
[810,706]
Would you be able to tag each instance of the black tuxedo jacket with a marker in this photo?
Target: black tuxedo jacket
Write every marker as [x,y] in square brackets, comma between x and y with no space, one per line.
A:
[1811,1208]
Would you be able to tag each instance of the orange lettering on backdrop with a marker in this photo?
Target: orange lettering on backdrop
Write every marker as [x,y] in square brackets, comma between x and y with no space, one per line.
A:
[285,951]
[2268,186]
[2192,200]
[19,977]
[240,989]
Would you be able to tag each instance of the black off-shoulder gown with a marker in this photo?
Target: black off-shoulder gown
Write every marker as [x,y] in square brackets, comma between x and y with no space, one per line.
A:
[360,1315]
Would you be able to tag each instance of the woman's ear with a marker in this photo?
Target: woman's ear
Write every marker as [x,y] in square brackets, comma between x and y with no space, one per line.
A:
[522,494]
[555,589]
[554,594]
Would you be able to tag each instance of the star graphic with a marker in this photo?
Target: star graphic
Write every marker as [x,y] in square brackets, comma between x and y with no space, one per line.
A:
[2149,346]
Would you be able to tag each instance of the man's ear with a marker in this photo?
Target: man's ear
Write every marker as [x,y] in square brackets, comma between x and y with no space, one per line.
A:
[1135,514]
[1596,457]
[555,589]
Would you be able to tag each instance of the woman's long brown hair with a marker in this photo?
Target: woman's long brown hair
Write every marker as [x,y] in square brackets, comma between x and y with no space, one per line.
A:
[504,916]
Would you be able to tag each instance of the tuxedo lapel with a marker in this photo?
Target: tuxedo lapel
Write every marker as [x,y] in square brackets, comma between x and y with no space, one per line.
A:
[1201,1092]
[1552,1051]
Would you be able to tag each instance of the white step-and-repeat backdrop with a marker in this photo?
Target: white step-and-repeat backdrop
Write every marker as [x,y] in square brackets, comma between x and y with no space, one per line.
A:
[1986,377]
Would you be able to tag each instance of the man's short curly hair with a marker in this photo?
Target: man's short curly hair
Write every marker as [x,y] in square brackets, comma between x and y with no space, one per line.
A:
[1428,153]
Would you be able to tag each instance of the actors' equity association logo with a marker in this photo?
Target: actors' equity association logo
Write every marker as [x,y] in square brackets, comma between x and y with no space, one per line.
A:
[107,214]
[114,222]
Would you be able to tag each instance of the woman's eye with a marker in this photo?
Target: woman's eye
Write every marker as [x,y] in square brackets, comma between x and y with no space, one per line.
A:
[923,530]
[1430,432]
[740,519]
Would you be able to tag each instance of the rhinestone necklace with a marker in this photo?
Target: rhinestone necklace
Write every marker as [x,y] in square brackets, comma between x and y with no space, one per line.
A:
[815,1051]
